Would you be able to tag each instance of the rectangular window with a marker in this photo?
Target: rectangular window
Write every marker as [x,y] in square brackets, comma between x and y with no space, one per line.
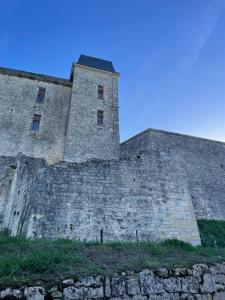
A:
[36,122]
[100,117]
[100,91]
[41,95]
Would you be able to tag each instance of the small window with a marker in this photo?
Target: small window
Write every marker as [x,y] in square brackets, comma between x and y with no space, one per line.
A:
[100,91]
[41,95]
[36,122]
[100,117]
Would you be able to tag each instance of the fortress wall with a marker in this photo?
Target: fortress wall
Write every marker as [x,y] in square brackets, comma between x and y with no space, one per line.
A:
[150,191]
[201,161]
[137,196]
[18,106]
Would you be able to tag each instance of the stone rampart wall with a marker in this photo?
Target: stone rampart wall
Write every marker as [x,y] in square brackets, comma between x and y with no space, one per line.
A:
[134,198]
[200,161]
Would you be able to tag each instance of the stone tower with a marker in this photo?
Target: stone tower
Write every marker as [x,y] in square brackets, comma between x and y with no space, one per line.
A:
[93,124]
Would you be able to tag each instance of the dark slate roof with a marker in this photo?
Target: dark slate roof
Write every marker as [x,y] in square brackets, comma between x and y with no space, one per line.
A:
[96,63]
[35,76]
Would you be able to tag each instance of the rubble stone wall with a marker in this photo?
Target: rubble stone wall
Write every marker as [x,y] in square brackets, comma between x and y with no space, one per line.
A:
[200,282]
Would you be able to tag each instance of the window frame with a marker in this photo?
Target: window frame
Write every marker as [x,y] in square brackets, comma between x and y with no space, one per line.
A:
[100,117]
[35,126]
[41,95]
[100,92]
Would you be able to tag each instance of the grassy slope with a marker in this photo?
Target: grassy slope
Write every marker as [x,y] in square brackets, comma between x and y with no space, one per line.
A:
[25,261]
[212,233]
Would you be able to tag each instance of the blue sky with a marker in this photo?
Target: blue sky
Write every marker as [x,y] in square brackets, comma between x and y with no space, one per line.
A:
[170,53]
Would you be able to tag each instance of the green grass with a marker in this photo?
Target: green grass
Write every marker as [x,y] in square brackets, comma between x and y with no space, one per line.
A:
[212,233]
[24,261]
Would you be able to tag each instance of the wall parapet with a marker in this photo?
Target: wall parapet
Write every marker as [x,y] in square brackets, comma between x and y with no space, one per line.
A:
[171,133]
[201,281]
[35,76]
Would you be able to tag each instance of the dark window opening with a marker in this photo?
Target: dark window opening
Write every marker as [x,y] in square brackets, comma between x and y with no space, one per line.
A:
[41,95]
[100,117]
[36,122]
[100,91]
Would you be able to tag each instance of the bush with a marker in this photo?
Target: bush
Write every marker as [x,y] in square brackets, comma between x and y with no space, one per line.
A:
[212,233]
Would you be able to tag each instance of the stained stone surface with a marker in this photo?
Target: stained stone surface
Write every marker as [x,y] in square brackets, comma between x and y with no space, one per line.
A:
[126,200]
[200,161]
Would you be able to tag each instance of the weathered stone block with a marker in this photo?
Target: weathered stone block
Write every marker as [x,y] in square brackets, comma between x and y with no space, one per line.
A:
[172,285]
[107,286]
[11,293]
[72,293]
[139,297]
[220,268]
[187,296]
[208,285]
[89,282]
[203,297]
[165,296]
[199,269]
[149,283]
[34,293]
[133,287]
[68,282]
[219,278]
[94,293]
[118,287]
[190,285]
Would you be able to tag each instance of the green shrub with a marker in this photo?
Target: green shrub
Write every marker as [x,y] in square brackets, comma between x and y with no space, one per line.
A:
[212,233]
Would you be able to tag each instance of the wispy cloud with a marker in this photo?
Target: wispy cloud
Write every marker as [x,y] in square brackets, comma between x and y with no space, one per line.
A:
[205,28]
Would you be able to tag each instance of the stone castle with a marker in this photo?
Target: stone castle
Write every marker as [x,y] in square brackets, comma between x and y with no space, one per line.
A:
[64,173]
